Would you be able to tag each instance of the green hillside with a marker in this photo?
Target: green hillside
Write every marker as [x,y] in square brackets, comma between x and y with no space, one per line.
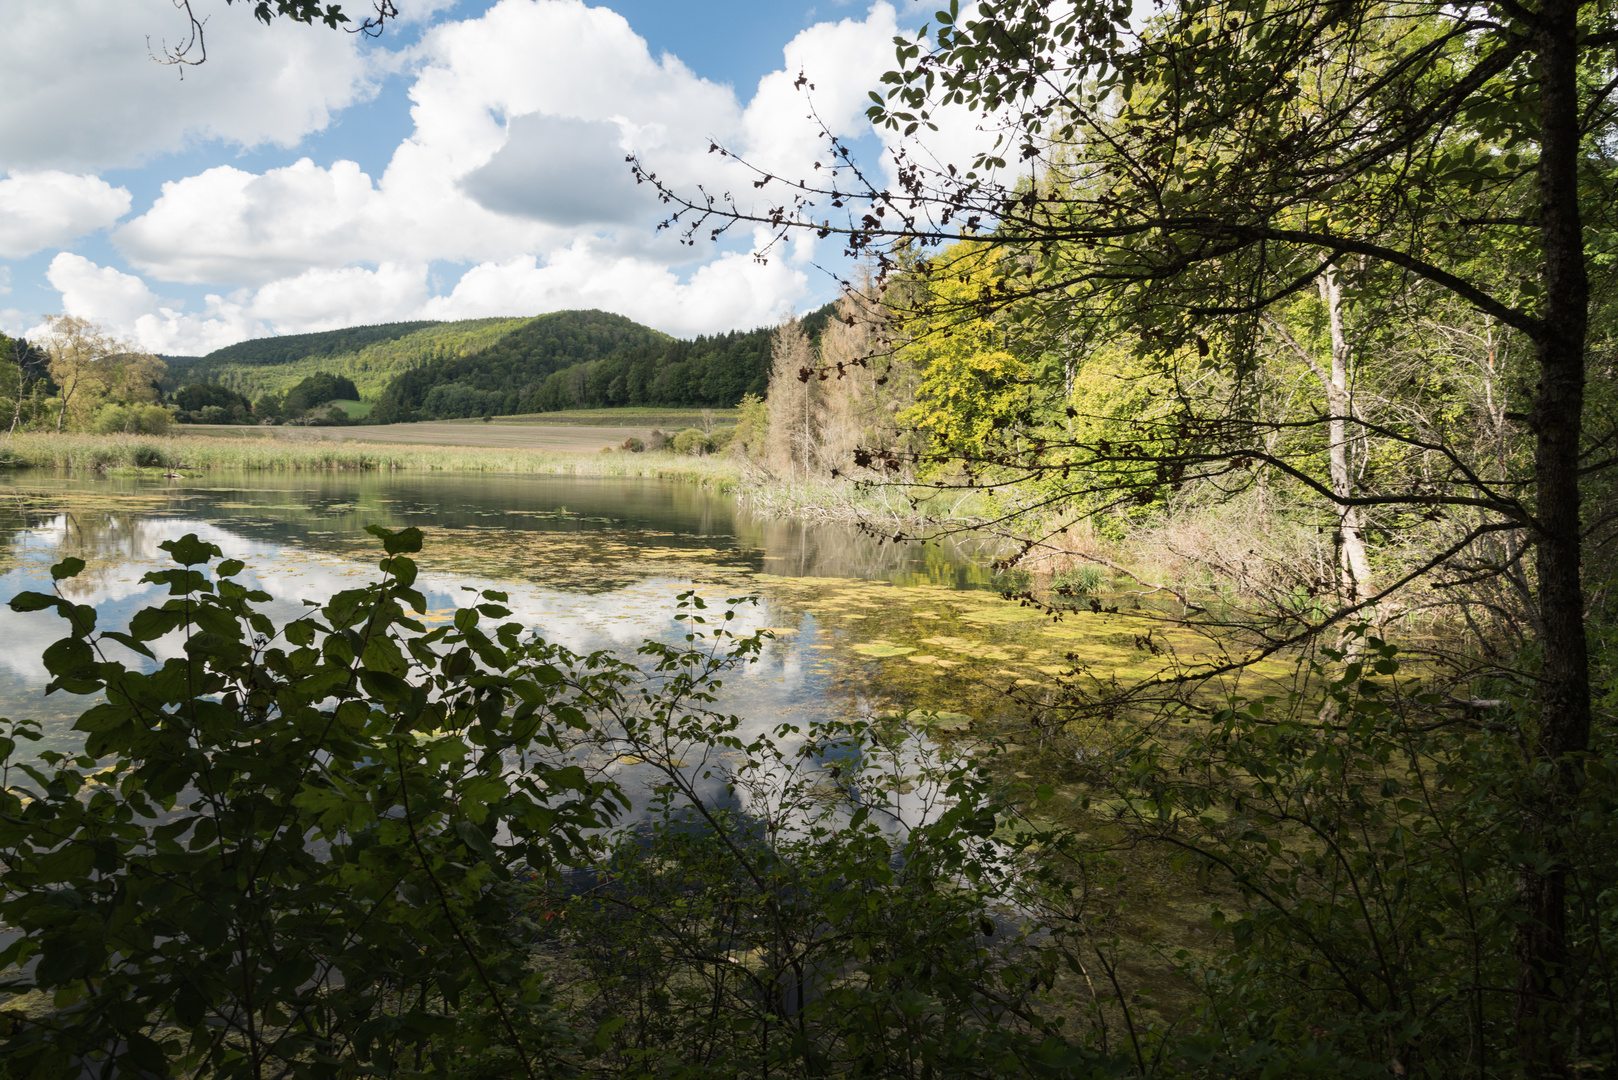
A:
[479,367]
[586,359]
[369,355]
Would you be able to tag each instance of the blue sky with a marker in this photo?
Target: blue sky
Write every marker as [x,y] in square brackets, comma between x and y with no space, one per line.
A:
[467,163]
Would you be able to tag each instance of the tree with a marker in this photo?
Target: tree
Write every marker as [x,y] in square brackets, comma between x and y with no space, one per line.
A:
[1179,183]
[26,370]
[795,401]
[90,366]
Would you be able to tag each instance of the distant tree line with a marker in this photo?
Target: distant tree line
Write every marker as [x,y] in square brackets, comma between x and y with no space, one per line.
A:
[211,403]
[585,359]
[292,347]
[79,377]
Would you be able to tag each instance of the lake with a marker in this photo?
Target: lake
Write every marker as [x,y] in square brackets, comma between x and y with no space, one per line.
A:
[861,626]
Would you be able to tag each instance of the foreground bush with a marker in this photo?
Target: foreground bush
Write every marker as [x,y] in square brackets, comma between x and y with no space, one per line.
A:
[287,844]
[336,847]
[352,845]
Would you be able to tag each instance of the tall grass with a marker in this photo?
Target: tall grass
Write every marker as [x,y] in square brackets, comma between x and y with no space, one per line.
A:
[109,453]
[885,504]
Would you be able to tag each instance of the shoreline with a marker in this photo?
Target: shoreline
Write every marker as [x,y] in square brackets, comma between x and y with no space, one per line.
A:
[172,455]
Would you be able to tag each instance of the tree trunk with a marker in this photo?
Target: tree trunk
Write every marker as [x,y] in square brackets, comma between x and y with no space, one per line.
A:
[1354,567]
[1564,718]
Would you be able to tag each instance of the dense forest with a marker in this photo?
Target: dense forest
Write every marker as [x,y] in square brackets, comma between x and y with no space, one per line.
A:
[286,348]
[369,356]
[585,359]
[434,371]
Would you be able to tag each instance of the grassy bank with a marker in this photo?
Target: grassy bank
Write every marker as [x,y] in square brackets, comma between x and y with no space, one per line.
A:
[175,453]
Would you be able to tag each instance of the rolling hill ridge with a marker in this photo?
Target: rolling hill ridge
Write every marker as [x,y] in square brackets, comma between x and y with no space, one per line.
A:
[483,367]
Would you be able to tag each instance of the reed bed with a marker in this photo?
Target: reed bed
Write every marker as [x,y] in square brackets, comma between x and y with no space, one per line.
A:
[125,453]
[900,506]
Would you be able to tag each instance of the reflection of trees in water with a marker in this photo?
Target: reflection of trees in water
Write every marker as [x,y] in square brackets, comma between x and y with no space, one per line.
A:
[795,548]
[105,540]
[326,512]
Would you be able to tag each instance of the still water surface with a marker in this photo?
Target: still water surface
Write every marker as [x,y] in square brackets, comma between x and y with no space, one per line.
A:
[589,563]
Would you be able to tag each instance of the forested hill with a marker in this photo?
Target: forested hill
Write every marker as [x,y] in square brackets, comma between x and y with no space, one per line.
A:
[585,359]
[368,355]
[477,367]
[286,349]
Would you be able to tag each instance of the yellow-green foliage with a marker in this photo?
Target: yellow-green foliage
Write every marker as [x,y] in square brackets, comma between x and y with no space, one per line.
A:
[133,419]
[752,426]
[970,383]
[370,367]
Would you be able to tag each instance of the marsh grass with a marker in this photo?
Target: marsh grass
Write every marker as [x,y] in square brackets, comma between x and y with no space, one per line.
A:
[878,506]
[114,453]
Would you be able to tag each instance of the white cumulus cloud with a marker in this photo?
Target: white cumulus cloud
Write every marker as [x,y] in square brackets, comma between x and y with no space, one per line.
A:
[317,299]
[83,90]
[514,169]
[732,291]
[51,208]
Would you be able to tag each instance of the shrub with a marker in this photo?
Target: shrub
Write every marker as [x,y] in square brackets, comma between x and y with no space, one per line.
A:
[131,420]
[147,456]
[634,445]
[720,438]
[1077,581]
[310,825]
[691,441]
[344,840]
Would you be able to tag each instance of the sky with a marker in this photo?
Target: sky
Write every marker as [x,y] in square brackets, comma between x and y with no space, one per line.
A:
[467,163]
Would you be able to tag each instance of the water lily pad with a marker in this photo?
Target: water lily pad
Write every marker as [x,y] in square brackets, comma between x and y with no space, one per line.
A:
[1000,615]
[880,651]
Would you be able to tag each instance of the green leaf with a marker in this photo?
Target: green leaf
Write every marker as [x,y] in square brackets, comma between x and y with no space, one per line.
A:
[62,963]
[68,656]
[34,601]
[604,1032]
[405,541]
[152,623]
[473,838]
[128,642]
[188,550]
[67,568]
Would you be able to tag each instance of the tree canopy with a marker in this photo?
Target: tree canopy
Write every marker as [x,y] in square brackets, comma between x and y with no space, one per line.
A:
[1173,190]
